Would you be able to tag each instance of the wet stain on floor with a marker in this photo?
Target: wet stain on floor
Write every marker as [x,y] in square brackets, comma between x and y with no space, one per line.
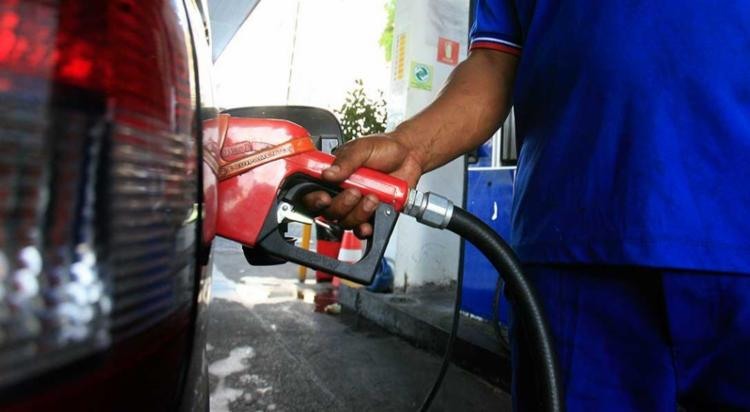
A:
[253,290]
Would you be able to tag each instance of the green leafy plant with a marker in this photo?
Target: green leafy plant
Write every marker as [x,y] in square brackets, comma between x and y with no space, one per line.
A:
[361,115]
[386,38]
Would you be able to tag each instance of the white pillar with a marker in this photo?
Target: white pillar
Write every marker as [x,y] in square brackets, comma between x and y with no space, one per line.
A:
[429,39]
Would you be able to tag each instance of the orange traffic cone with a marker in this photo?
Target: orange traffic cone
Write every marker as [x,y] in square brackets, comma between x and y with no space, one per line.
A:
[351,251]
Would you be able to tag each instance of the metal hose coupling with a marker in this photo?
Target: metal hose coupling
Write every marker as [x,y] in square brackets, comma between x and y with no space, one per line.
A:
[429,208]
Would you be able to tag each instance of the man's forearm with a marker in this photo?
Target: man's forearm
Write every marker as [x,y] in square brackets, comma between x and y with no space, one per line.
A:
[471,106]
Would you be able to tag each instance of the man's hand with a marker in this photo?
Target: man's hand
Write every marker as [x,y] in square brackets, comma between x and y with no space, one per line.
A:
[384,152]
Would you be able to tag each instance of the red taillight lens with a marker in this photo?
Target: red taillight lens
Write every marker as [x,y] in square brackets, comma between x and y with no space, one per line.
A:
[97,176]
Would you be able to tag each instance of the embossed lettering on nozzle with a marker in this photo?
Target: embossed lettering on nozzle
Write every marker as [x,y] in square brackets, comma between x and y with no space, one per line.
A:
[429,208]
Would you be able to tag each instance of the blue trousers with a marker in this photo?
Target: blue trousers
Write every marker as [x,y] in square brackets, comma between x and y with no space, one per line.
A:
[638,339]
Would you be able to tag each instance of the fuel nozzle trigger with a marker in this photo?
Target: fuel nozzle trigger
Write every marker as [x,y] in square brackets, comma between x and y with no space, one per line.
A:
[288,208]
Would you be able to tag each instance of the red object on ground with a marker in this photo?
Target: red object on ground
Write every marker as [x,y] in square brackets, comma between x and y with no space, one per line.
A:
[327,248]
[350,251]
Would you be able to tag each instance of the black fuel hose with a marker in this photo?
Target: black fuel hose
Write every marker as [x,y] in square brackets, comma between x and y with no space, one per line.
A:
[525,303]
[448,348]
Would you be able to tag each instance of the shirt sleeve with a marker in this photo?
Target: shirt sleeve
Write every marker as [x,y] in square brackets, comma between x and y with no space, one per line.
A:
[496,27]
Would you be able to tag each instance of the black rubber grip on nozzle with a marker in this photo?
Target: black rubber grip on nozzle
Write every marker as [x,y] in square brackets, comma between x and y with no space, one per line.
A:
[384,220]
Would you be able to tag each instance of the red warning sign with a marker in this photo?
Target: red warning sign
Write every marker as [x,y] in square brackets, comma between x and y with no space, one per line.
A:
[447,51]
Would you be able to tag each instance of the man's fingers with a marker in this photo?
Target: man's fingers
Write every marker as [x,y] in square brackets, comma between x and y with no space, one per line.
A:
[362,212]
[349,209]
[342,204]
[316,201]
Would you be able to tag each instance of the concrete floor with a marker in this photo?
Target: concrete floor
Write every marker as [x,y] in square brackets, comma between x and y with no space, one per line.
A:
[269,349]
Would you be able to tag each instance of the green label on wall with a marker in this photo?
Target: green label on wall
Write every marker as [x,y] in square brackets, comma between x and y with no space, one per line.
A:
[421,76]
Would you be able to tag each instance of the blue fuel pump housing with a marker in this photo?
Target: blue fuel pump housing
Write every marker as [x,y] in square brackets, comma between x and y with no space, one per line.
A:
[489,196]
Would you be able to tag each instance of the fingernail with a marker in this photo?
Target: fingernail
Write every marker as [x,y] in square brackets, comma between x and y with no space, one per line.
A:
[351,198]
[369,205]
[364,230]
[333,170]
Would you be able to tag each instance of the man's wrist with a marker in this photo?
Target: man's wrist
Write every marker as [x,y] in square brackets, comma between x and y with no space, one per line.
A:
[415,142]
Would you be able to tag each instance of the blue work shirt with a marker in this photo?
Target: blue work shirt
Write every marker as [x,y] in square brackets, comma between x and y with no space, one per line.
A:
[634,123]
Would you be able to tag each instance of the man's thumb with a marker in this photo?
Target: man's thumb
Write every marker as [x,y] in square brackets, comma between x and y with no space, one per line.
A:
[349,158]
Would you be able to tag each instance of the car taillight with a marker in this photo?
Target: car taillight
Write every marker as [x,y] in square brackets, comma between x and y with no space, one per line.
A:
[98,180]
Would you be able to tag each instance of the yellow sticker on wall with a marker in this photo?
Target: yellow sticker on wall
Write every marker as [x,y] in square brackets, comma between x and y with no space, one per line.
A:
[400,56]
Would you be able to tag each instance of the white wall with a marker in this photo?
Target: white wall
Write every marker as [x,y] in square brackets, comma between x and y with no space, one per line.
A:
[336,43]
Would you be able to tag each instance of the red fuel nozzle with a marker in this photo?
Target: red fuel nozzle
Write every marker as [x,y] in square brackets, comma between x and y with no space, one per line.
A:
[260,162]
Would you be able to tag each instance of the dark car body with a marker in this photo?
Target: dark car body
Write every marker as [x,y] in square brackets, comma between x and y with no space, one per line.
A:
[106,204]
